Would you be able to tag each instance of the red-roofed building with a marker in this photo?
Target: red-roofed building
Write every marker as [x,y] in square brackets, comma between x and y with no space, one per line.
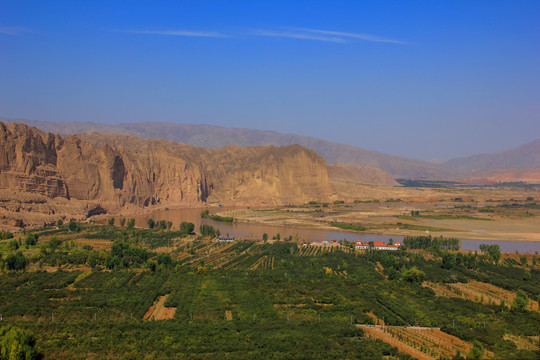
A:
[377,245]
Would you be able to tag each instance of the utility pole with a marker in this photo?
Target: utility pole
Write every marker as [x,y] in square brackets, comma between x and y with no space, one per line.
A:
[351,319]
[254,316]
[52,317]
[319,315]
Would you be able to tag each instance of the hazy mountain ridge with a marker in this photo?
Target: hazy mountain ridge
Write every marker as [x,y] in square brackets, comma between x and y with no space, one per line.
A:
[209,136]
[524,156]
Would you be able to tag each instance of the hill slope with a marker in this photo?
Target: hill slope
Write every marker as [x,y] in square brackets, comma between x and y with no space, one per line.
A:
[115,171]
[208,136]
[524,156]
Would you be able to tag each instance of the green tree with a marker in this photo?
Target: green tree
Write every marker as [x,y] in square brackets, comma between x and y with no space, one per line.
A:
[55,243]
[495,253]
[111,221]
[17,343]
[208,231]
[414,275]
[477,351]
[491,252]
[448,260]
[112,262]
[151,223]
[14,244]
[4,235]
[169,225]
[31,240]
[74,226]
[187,227]
[122,222]
[520,301]
[93,259]
[151,264]
[265,237]
[162,224]
[164,259]
[16,261]
[131,223]
[59,223]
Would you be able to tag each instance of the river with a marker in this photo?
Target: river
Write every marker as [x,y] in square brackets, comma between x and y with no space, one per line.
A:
[255,231]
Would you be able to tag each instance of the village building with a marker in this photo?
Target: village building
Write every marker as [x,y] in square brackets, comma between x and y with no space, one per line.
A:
[377,245]
[225,239]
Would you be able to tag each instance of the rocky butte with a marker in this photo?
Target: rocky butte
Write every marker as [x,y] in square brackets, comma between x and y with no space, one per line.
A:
[45,176]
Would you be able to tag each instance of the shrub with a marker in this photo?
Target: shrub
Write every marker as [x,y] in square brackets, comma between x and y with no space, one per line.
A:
[17,343]
[16,261]
[74,226]
[31,240]
[187,227]
[414,275]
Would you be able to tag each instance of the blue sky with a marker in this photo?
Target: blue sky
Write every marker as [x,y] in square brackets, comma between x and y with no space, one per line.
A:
[422,79]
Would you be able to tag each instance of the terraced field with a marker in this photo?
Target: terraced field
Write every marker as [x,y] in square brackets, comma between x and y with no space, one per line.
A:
[478,291]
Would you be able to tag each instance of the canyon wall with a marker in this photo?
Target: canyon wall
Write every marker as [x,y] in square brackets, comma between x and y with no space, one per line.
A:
[116,171]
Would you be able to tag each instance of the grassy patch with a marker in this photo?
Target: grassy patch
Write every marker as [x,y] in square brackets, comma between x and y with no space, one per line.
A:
[346,226]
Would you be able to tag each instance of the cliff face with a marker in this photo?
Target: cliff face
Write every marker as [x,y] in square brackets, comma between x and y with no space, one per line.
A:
[360,174]
[114,170]
[183,174]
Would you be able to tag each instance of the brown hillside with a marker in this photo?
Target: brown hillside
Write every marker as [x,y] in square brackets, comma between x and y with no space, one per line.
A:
[360,174]
[527,175]
[115,171]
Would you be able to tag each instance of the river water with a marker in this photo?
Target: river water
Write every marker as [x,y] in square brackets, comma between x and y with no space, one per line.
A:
[255,231]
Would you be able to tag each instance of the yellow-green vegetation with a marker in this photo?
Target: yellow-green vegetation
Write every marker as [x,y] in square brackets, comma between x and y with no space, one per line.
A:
[251,299]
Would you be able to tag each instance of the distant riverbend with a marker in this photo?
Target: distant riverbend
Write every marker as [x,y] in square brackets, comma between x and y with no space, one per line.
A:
[255,231]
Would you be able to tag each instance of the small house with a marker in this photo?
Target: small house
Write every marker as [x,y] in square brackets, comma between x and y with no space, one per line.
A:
[225,239]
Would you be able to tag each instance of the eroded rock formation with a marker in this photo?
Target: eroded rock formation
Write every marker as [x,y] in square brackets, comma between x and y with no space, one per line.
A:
[114,171]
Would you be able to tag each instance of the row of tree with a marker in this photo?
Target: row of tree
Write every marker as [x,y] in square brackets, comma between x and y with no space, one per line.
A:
[431,243]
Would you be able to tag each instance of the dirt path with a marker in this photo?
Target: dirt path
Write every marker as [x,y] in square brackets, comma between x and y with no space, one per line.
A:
[158,311]
[139,272]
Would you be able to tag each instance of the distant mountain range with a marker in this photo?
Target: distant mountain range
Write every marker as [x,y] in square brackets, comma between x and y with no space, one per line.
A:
[524,156]
[208,136]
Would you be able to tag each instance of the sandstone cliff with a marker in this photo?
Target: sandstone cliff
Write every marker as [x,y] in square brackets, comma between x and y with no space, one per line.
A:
[360,174]
[114,171]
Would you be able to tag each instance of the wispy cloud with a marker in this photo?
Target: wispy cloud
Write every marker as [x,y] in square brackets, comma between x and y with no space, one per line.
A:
[12,30]
[300,35]
[291,33]
[185,33]
[365,37]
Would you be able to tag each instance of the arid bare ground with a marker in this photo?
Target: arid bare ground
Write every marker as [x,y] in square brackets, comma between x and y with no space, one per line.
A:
[469,213]
[158,311]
